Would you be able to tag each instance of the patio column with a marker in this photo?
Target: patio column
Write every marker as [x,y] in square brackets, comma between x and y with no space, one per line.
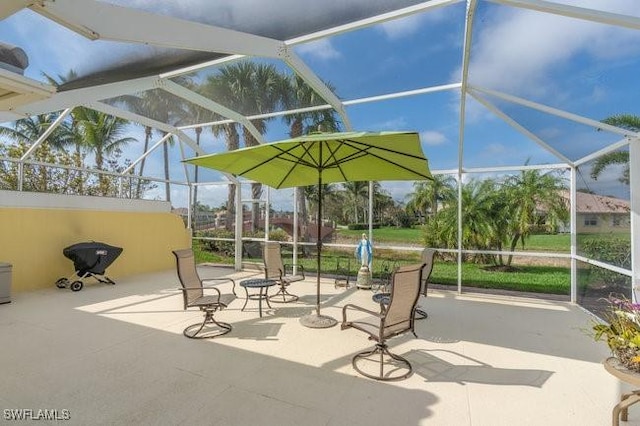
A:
[295,229]
[573,230]
[267,213]
[239,226]
[634,188]
[371,211]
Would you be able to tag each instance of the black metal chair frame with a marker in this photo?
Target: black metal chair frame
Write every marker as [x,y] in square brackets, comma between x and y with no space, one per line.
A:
[427,257]
[194,297]
[275,269]
[411,293]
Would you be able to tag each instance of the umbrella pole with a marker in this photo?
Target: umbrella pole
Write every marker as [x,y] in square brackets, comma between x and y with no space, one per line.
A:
[318,244]
[316,320]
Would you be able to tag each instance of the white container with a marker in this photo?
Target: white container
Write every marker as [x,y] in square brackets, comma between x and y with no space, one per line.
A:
[5,282]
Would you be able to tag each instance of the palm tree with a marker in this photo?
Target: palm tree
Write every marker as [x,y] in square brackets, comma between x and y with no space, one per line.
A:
[103,135]
[384,206]
[298,94]
[28,130]
[428,195]
[624,121]
[166,108]
[249,88]
[25,132]
[357,193]
[527,193]
[481,203]
[197,114]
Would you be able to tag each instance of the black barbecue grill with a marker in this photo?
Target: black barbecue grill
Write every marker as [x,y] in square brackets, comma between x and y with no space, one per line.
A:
[90,259]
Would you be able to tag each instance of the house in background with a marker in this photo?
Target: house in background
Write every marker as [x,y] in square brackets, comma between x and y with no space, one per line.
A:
[598,214]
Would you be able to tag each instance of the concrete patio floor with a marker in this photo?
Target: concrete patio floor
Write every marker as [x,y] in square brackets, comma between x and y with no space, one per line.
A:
[116,355]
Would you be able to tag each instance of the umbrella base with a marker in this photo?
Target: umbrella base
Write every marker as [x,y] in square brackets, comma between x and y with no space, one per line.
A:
[318,321]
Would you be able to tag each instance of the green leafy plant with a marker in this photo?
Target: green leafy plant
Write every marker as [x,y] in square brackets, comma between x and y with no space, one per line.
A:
[621,331]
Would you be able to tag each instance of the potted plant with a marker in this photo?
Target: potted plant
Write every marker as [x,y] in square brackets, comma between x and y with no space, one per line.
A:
[621,331]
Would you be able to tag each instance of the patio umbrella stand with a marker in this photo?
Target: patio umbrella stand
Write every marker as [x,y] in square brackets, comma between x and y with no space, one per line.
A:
[325,158]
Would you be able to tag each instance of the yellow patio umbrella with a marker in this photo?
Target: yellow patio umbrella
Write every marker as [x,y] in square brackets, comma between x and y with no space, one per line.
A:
[325,158]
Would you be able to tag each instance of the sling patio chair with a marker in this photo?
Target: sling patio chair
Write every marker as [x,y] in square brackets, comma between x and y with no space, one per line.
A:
[275,270]
[427,259]
[193,293]
[395,318]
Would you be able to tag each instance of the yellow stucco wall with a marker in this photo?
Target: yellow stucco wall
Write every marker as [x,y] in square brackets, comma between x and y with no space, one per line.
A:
[32,240]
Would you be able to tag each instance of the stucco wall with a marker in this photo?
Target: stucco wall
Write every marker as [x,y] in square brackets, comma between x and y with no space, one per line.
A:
[33,237]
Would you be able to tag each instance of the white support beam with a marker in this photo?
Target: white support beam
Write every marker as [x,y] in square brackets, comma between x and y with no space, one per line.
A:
[99,20]
[400,13]
[555,111]
[296,191]
[146,154]
[131,116]
[599,16]
[267,208]
[466,53]
[298,65]
[18,90]
[634,179]
[72,98]
[497,111]
[46,134]
[195,68]
[464,78]
[238,228]
[145,121]
[186,169]
[358,101]
[195,98]
[9,7]
[610,148]
[516,168]
[403,94]
[573,206]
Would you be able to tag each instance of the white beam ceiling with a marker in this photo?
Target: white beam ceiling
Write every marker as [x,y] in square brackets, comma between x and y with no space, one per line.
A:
[97,20]
[554,111]
[575,12]
[210,105]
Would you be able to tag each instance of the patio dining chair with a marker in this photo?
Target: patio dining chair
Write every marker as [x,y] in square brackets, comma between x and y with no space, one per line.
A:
[275,269]
[193,293]
[394,318]
[427,259]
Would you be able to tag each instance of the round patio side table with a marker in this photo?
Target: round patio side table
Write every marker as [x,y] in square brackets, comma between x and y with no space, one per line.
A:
[262,285]
[617,369]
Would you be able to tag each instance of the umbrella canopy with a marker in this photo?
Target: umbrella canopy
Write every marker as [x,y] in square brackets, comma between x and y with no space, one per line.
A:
[325,158]
[333,157]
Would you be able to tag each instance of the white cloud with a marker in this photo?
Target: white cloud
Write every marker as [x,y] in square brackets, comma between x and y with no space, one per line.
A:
[518,49]
[431,137]
[401,28]
[404,27]
[398,123]
[319,49]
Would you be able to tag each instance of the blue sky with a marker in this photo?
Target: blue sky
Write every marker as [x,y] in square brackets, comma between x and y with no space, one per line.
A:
[585,68]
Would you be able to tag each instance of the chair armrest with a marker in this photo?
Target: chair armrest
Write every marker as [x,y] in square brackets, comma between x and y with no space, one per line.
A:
[183,289]
[233,289]
[292,265]
[358,308]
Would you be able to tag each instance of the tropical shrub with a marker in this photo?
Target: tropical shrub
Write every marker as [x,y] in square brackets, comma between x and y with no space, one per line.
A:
[621,331]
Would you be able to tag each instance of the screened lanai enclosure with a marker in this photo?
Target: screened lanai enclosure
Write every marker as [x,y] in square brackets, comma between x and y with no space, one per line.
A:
[512,99]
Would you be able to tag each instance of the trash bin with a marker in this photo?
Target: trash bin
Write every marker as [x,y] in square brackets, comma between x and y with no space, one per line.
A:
[5,282]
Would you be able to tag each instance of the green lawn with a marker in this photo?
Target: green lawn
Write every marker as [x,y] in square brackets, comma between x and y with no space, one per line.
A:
[560,243]
[386,235]
[554,243]
[541,279]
